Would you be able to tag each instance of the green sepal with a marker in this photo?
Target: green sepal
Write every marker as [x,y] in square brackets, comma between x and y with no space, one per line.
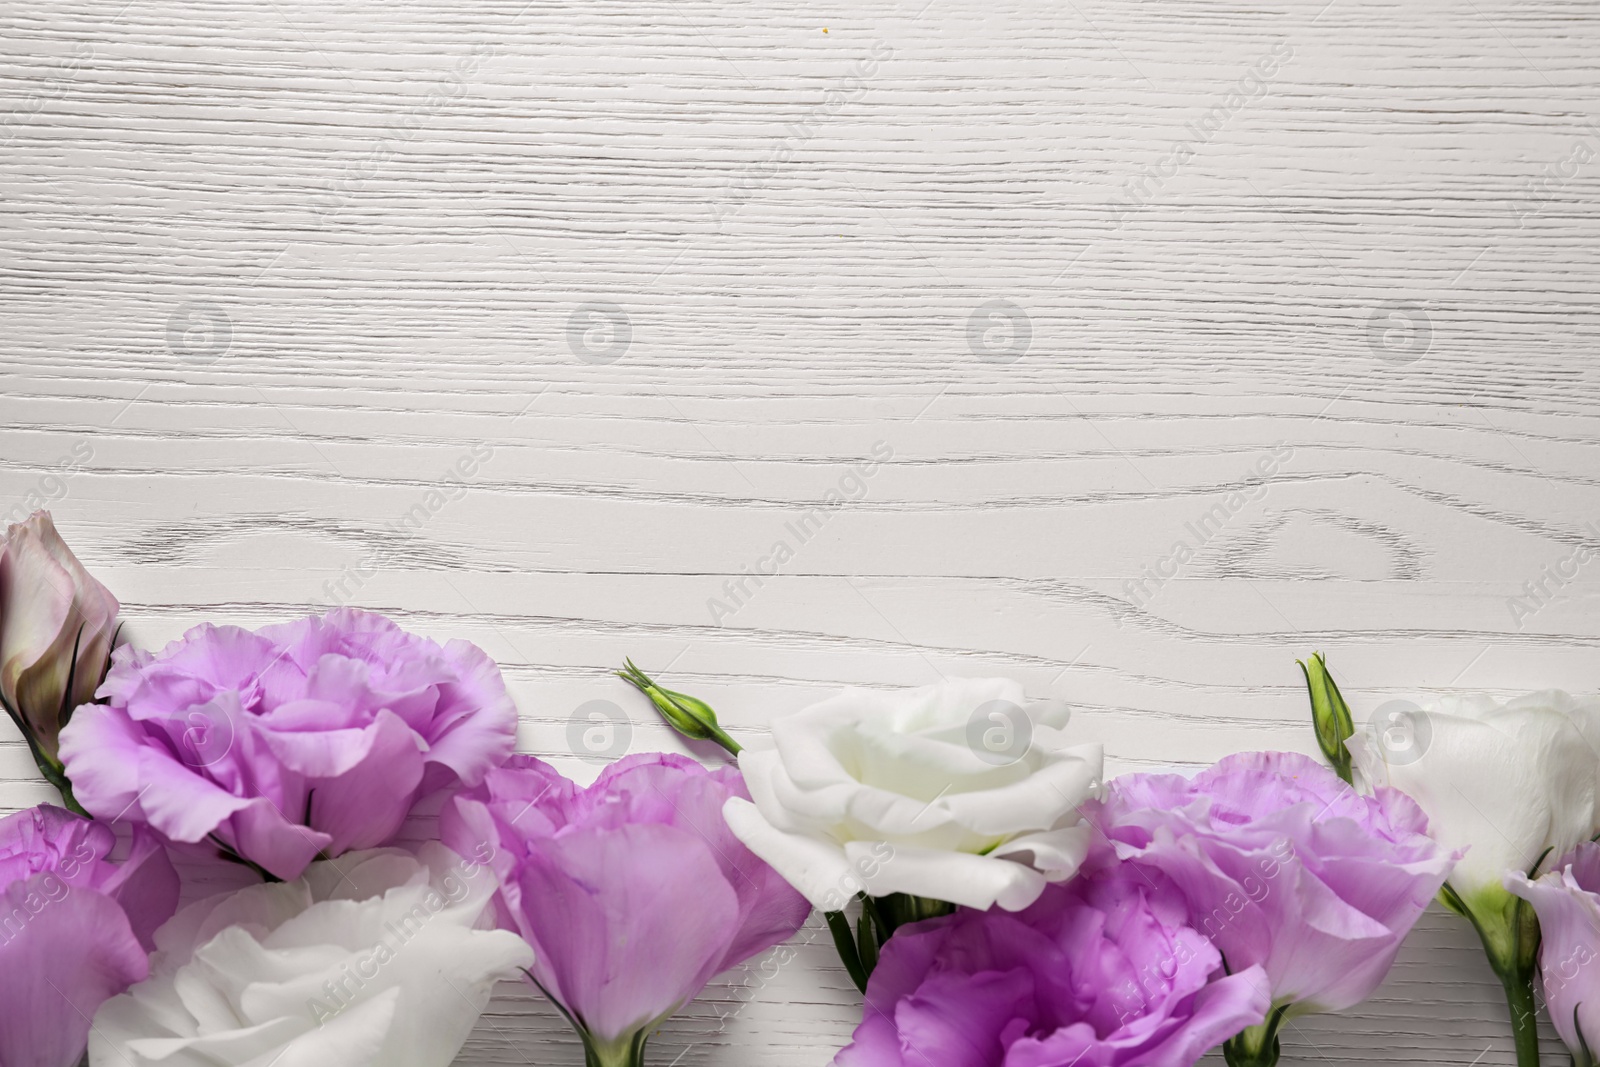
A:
[1581,1056]
[845,943]
[867,942]
[627,1052]
[1256,1046]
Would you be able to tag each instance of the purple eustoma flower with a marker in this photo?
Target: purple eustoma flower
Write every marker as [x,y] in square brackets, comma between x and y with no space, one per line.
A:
[314,737]
[1100,972]
[1283,866]
[75,928]
[633,892]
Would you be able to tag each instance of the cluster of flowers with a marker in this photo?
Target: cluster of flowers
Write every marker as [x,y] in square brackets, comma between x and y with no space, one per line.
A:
[298,751]
[1010,908]
[1136,924]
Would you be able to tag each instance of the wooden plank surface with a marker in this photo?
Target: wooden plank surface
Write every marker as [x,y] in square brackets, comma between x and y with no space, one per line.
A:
[1084,273]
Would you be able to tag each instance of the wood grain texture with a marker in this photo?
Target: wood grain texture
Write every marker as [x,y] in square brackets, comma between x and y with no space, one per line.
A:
[268,271]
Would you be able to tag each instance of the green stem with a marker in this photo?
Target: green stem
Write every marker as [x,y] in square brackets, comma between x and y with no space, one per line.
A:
[52,769]
[1524,1019]
[1509,930]
[58,779]
[720,737]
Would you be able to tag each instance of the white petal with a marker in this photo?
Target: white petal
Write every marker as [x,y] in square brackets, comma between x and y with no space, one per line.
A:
[1057,854]
[785,804]
[1039,801]
[360,875]
[257,907]
[374,960]
[869,769]
[355,1036]
[971,881]
[446,976]
[1508,785]
[817,868]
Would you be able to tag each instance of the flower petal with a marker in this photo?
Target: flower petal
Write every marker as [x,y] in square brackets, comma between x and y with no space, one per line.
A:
[818,869]
[63,951]
[601,916]
[365,805]
[378,962]
[971,881]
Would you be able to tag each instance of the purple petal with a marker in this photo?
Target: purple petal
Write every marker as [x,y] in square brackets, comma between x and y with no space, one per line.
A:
[1099,973]
[606,901]
[145,886]
[102,748]
[1285,866]
[957,1020]
[343,721]
[63,952]
[262,834]
[366,805]
[474,728]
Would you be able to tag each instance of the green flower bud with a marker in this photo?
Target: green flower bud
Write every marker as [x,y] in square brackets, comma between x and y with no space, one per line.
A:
[1329,714]
[690,716]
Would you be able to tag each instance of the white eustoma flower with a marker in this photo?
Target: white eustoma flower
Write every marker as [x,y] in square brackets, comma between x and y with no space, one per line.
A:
[955,792]
[377,959]
[1512,784]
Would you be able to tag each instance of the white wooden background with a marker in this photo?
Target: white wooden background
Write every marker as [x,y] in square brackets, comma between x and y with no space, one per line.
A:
[269,270]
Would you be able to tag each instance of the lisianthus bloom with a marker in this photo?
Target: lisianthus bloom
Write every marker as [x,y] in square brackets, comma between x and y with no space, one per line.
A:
[1100,972]
[74,928]
[1508,783]
[1284,867]
[1514,785]
[974,792]
[1567,901]
[56,626]
[376,959]
[314,737]
[632,892]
